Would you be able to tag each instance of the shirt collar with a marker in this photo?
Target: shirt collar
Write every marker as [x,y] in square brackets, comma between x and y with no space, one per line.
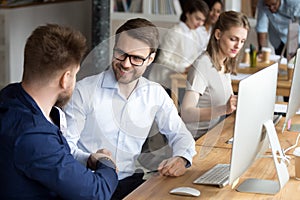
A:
[28,100]
[33,106]
[184,26]
[109,79]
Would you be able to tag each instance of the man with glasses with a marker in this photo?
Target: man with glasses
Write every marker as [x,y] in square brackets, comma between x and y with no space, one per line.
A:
[273,19]
[115,109]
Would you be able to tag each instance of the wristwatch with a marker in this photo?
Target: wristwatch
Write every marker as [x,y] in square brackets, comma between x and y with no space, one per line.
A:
[106,161]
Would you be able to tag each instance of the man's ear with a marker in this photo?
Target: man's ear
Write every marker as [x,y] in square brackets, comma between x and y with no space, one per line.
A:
[64,79]
[217,34]
[151,58]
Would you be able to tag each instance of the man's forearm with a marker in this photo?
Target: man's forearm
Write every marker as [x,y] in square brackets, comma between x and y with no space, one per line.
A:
[262,39]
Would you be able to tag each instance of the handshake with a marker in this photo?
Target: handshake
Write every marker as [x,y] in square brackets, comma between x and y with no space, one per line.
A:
[101,156]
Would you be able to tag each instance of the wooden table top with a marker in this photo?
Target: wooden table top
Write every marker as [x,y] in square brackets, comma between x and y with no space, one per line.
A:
[214,151]
[220,134]
[158,187]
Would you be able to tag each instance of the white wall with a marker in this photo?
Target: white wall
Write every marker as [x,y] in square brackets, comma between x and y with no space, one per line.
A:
[233,5]
[20,22]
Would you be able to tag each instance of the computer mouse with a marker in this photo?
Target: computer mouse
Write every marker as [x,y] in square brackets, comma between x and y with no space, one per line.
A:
[185,191]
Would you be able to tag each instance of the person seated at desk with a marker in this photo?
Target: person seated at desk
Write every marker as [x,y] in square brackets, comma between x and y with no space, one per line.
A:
[115,110]
[216,7]
[181,44]
[36,162]
[209,94]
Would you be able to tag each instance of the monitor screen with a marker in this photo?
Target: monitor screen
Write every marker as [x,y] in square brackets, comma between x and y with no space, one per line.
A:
[294,98]
[292,40]
[255,107]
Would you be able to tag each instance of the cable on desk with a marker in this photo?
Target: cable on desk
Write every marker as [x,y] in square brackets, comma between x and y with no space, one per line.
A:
[295,145]
[285,157]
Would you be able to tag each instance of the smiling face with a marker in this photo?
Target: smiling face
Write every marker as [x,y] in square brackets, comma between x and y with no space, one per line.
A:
[215,12]
[124,71]
[231,41]
[195,19]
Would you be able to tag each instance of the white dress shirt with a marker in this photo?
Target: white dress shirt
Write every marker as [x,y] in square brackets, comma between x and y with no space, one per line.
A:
[178,50]
[204,35]
[99,116]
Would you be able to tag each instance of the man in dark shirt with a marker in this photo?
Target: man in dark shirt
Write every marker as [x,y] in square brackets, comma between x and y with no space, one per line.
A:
[35,159]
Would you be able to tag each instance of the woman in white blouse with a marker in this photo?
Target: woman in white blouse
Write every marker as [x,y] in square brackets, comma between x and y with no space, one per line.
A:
[216,7]
[209,96]
[181,44]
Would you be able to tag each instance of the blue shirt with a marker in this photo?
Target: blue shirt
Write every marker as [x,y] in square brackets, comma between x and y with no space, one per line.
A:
[276,24]
[35,158]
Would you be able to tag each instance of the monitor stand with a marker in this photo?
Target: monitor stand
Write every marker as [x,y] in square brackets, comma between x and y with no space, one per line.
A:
[269,186]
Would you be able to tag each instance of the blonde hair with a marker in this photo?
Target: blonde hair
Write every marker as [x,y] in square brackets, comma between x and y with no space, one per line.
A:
[226,21]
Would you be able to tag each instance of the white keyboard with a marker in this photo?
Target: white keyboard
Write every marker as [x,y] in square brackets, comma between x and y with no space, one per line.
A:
[217,176]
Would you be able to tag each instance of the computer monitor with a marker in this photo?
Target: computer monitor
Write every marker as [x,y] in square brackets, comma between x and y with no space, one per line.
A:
[254,129]
[292,40]
[294,99]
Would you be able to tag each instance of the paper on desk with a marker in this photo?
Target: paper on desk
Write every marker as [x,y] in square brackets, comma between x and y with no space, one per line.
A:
[282,108]
[239,76]
[244,65]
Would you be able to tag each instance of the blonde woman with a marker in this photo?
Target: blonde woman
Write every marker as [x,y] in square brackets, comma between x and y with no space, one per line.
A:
[209,95]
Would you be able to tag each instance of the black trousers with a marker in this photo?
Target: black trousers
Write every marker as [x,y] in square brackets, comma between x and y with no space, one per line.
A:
[127,185]
[279,49]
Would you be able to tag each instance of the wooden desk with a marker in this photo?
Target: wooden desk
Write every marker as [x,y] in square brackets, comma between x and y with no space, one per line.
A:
[220,134]
[211,153]
[283,85]
[158,187]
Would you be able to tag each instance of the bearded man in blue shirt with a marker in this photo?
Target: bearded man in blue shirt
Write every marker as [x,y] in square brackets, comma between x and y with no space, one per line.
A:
[35,160]
[273,19]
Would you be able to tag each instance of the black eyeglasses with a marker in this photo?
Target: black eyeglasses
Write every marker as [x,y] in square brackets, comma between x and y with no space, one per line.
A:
[134,60]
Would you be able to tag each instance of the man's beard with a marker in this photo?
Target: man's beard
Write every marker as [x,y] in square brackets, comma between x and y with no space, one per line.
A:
[63,99]
[120,78]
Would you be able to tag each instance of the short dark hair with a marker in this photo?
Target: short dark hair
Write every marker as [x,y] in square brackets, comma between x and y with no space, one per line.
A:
[191,6]
[140,29]
[52,48]
[211,3]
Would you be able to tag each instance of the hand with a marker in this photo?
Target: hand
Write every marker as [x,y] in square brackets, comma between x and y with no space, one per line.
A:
[173,166]
[94,157]
[187,69]
[104,151]
[231,104]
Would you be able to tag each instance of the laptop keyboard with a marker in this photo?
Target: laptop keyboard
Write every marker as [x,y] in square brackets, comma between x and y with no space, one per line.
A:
[216,176]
